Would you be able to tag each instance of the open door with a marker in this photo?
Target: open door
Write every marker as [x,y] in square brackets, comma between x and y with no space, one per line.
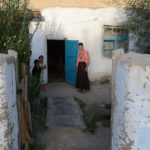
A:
[71,52]
[56,61]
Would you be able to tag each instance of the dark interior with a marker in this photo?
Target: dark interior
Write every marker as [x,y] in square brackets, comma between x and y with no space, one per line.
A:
[56,60]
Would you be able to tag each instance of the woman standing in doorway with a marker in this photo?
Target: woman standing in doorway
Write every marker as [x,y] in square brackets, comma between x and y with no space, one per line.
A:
[83,61]
[43,66]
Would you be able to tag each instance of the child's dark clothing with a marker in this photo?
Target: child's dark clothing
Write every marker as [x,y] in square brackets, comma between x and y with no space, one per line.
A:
[36,71]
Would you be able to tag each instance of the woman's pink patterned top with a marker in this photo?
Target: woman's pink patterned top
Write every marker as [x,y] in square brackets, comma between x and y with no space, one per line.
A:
[83,56]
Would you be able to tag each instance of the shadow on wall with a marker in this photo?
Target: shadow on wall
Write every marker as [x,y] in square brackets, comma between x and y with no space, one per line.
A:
[54,30]
[46,30]
[100,66]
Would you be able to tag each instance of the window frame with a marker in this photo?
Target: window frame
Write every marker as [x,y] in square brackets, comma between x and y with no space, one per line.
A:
[115,39]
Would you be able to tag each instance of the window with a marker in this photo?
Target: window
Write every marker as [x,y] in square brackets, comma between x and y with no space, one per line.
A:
[114,38]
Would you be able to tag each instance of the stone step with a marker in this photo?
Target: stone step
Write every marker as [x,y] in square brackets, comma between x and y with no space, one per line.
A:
[64,112]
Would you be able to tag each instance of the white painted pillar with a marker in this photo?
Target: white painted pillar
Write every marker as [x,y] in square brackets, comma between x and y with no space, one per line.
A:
[115,55]
[131,113]
[15,55]
[9,127]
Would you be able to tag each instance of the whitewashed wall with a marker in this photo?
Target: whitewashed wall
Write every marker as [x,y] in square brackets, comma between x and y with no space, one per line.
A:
[131,108]
[85,25]
[9,127]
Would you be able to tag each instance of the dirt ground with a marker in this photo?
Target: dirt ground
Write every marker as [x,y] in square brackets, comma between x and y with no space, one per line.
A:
[74,139]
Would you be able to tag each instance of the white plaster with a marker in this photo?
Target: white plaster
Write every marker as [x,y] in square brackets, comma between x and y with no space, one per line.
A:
[12,105]
[85,25]
[9,127]
[131,112]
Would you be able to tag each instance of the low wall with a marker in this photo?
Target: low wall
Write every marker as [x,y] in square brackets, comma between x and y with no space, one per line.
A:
[9,127]
[131,103]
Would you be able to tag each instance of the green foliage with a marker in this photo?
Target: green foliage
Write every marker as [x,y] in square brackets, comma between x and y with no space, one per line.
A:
[108,106]
[104,119]
[38,112]
[14,29]
[80,102]
[38,105]
[37,146]
[90,118]
[91,115]
[34,88]
[138,12]
[105,81]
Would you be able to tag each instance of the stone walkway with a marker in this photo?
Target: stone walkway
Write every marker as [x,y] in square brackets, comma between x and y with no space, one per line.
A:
[60,138]
[64,112]
[99,94]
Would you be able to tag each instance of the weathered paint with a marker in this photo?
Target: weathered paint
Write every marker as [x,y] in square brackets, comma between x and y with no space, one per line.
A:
[116,54]
[85,25]
[9,127]
[15,55]
[131,112]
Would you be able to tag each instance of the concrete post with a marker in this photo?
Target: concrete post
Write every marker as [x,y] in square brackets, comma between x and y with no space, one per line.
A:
[15,55]
[115,55]
[9,126]
[131,113]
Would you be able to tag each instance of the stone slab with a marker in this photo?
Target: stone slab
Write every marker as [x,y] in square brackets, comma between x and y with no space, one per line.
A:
[64,112]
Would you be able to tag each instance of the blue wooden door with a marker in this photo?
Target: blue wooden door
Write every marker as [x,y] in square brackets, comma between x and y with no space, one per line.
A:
[71,52]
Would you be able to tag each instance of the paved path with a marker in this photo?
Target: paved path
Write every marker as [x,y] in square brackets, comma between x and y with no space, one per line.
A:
[59,138]
[64,112]
[99,94]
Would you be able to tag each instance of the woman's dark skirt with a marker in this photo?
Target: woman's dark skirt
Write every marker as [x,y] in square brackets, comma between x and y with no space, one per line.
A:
[82,77]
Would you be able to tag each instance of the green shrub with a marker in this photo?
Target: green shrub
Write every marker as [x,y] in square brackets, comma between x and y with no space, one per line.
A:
[91,115]
[38,105]
[108,106]
[37,146]
[138,12]
[38,114]
[14,29]
[81,103]
[105,120]
[34,88]
[105,81]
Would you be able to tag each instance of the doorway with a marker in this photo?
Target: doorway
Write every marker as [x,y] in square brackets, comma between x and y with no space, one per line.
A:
[56,61]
